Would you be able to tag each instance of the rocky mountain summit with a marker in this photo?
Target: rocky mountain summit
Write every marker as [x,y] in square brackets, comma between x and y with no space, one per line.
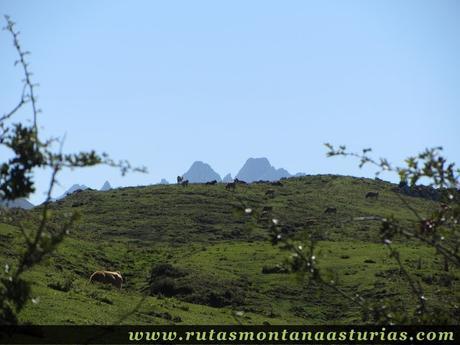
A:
[256,169]
[106,186]
[18,203]
[73,189]
[227,178]
[201,172]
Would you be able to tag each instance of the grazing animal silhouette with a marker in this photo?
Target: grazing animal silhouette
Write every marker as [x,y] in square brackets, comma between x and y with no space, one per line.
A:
[266,210]
[270,193]
[107,277]
[240,181]
[372,195]
[210,183]
[180,179]
[184,183]
[231,185]
[330,210]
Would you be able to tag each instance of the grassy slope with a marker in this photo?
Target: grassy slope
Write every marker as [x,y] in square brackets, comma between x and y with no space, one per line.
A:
[198,230]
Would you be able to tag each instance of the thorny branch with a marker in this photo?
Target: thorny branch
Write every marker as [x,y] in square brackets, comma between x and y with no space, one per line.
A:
[28,93]
[16,181]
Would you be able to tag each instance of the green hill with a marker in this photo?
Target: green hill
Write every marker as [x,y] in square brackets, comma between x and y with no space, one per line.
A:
[209,258]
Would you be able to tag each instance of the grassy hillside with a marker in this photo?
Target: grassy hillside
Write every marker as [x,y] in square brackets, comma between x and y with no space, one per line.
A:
[217,256]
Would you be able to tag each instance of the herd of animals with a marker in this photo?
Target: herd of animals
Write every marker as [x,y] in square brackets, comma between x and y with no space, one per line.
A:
[230,185]
[116,279]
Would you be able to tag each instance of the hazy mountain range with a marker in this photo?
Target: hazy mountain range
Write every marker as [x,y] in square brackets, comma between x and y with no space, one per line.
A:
[25,204]
[255,169]
[105,187]
[18,203]
[73,189]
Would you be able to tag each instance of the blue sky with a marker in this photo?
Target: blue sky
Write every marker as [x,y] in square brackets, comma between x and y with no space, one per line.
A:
[166,83]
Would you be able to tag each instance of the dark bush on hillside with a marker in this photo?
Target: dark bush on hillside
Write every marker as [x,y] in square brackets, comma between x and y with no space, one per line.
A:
[166,270]
[64,285]
[164,286]
[169,287]
[420,191]
[209,291]
[274,269]
[195,287]
[163,280]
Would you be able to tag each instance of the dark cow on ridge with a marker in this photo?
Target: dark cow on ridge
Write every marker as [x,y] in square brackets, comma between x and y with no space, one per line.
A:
[210,183]
[231,185]
[184,183]
[266,210]
[180,179]
[239,181]
[373,195]
[270,193]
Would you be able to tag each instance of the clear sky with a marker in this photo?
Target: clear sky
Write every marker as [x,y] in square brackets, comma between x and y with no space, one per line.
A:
[166,83]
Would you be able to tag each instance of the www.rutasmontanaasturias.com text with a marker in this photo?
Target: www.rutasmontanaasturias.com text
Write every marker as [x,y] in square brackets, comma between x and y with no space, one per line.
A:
[287,335]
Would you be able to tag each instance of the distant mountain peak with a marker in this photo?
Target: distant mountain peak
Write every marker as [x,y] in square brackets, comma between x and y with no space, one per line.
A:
[106,186]
[256,169]
[201,172]
[261,160]
[73,189]
[227,178]
[17,203]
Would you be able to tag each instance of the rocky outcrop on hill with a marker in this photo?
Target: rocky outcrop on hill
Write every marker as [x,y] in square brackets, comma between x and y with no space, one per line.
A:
[421,191]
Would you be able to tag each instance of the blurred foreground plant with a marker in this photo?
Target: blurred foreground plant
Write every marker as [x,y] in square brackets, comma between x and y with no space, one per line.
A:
[439,230]
[29,152]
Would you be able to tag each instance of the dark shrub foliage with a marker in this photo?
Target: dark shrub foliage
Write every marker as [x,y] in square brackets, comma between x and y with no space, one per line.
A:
[194,287]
